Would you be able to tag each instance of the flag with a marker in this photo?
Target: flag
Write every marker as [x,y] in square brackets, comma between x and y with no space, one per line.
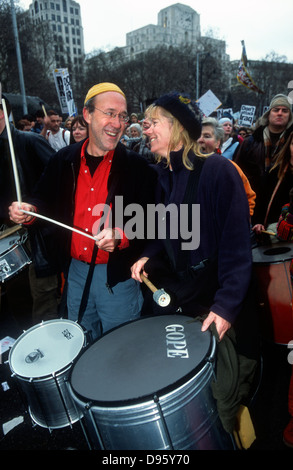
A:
[243,76]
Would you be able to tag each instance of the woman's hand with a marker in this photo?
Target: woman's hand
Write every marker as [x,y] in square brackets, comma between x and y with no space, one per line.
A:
[258,228]
[222,325]
[137,268]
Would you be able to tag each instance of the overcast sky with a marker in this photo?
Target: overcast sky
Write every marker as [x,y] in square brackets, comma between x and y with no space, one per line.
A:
[265,26]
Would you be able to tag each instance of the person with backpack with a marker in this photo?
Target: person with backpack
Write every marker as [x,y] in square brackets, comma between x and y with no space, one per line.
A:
[52,131]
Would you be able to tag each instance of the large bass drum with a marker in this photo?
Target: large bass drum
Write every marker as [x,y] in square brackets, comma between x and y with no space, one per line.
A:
[41,359]
[271,265]
[146,386]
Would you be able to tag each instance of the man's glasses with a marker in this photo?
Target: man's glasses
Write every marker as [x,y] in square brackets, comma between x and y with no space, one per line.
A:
[121,117]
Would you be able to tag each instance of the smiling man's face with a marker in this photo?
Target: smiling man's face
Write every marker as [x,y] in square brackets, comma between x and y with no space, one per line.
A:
[105,131]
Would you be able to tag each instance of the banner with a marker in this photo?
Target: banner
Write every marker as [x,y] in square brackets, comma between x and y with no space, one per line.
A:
[65,95]
[243,76]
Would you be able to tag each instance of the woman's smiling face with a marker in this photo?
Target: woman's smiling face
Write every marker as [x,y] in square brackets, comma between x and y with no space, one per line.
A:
[159,134]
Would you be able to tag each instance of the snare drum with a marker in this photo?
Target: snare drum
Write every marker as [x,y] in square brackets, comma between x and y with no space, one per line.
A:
[272,267]
[41,359]
[13,255]
[146,386]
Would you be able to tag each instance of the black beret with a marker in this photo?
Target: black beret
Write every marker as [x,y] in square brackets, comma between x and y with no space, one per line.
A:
[183,109]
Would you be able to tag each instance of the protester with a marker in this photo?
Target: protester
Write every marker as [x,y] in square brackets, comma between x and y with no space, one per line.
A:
[32,154]
[277,183]
[230,140]
[68,122]
[135,136]
[243,132]
[212,135]
[133,118]
[257,153]
[23,125]
[55,135]
[78,130]
[224,221]
[81,181]
[39,124]
[143,147]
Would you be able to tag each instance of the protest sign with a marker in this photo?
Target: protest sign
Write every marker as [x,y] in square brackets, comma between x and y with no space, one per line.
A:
[246,115]
[64,91]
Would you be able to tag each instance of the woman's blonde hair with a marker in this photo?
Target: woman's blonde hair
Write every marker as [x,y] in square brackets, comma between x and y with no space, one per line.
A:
[179,135]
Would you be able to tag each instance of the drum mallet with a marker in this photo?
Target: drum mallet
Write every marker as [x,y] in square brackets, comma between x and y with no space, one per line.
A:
[160,296]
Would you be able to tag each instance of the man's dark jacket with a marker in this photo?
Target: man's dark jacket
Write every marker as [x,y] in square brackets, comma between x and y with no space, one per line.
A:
[250,156]
[32,154]
[54,197]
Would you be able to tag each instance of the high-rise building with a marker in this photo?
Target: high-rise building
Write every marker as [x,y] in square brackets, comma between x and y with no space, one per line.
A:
[177,25]
[64,20]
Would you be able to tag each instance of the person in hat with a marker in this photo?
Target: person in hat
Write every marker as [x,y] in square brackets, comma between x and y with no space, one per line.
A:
[80,184]
[230,140]
[210,275]
[257,153]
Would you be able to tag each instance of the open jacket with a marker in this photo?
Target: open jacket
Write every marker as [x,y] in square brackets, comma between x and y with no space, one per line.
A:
[224,227]
[32,154]
[54,197]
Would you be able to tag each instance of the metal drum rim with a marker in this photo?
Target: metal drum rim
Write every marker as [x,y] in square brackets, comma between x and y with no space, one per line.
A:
[45,377]
[148,397]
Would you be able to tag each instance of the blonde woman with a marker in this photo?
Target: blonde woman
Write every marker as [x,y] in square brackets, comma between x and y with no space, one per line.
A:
[211,276]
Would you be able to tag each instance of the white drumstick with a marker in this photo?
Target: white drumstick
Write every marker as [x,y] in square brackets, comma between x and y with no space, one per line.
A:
[59,223]
[16,180]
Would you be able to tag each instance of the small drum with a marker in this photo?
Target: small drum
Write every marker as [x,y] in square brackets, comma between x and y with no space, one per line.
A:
[13,255]
[146,386]
[41,359]
[271,265]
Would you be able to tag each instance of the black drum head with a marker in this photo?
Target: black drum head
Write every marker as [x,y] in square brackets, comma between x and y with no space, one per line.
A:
[141,359]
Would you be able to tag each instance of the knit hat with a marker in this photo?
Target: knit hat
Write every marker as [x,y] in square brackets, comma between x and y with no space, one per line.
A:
[102,88]
[223,120]
[183,109]
[278,100]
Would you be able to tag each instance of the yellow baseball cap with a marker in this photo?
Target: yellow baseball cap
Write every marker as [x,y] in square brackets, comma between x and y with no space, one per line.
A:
[102,88]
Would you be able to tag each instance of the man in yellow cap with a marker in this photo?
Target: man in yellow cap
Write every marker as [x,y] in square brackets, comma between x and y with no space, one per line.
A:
[81,182]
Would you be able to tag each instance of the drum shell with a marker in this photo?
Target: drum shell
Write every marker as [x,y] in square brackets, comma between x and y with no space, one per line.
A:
[183,417]
[49,401]
[272,270]
[14,259]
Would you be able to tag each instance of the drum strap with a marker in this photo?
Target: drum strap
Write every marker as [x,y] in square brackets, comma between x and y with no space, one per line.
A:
[274,193]
[86,290]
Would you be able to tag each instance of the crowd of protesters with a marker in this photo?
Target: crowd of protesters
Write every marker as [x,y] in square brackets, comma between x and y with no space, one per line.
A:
[244,181]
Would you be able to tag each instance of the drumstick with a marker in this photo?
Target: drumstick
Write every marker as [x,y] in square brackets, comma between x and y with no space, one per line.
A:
[148,283]
[16,180]
[9,231]
[59,223]
[159,295]
[268,232]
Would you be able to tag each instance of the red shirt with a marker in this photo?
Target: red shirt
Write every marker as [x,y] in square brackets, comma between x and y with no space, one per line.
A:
[90,192]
